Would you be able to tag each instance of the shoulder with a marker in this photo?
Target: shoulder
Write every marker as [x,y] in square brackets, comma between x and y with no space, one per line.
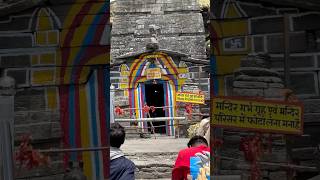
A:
[129,164]
[122,163]
[184,151]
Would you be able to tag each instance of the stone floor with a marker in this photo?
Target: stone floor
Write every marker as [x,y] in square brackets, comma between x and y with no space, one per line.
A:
[154,158]
[161,144]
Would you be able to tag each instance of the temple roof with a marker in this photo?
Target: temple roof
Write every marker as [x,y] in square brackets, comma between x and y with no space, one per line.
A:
[185,57]
[15,6]
[302,4]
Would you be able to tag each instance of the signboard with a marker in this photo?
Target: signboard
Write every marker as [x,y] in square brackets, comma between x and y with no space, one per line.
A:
[191,89]
[124,83]
[187,97]
[257,115]
[153,73]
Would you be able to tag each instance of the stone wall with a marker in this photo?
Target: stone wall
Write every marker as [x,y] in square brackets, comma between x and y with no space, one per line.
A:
[42,47]
[181,26]
[181,29]
[248,27]
[255,79]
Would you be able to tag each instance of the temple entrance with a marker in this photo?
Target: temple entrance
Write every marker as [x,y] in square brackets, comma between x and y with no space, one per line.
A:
[154,94]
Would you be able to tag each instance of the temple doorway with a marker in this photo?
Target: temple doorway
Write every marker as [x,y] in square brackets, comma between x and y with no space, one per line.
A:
[154,94]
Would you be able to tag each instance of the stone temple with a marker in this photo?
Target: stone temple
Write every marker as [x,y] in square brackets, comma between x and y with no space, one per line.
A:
[166,36]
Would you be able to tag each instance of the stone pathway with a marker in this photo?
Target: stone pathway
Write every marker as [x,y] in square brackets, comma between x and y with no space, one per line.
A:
[154,158]
[161,144]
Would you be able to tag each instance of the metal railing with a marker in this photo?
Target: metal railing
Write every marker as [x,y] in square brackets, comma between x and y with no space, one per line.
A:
[156,119]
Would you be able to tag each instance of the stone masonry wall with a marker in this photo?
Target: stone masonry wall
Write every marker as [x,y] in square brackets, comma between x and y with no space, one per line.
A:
[34,41]
[260,30]
[180,22]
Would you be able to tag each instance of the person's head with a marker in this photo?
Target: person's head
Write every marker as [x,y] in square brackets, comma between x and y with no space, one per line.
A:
[197,141]
[117,135]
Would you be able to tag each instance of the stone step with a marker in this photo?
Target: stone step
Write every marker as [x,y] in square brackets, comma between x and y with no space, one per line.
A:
[154,158]
[157,165]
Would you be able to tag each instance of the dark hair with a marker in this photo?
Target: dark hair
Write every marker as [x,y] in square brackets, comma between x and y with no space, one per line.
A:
[197,140]
[205,116]
[117,135]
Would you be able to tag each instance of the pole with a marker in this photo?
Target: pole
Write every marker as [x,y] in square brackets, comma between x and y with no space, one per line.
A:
[286,37]
[286,43]
[216,133]
[6,127]
[150,119]
[199,84]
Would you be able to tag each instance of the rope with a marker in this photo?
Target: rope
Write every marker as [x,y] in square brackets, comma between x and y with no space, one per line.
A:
[74,150]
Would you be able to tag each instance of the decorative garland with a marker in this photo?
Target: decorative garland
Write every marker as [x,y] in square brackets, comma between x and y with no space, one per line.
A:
[119,111]
[189,110]
[28,157]
[252,147]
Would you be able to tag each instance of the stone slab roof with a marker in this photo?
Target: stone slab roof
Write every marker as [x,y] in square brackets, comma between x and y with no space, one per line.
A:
[303,4]
[16,6]
[183,56]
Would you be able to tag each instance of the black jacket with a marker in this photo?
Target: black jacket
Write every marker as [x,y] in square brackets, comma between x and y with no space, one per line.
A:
[122,169]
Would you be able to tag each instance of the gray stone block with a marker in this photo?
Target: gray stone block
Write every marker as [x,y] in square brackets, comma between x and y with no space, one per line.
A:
[278,175]
[258,44]
[311,105]
[304,83]
[312,118]
[318,59]
[306,153]
[54,172]
[14,42]
[306,22]
[295,62]
[267,25]
[15,61]
[41,131]
[19,75]
[255,71]
[276,85]
[254,63]
[194,69]
[15,24]
[202,75]
[30,99]
[229,85]
[268,79]
[256,10]
[297,43]
[234,165]
[250,85]
[273,92]
[248,92]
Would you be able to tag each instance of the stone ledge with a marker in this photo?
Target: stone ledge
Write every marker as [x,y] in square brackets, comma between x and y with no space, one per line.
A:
[250,85]
[268,79]
[312,105]
[248,92]
[255,71]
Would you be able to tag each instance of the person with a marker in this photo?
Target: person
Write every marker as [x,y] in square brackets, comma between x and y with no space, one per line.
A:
[197,147]
[204,128]
[121,168]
